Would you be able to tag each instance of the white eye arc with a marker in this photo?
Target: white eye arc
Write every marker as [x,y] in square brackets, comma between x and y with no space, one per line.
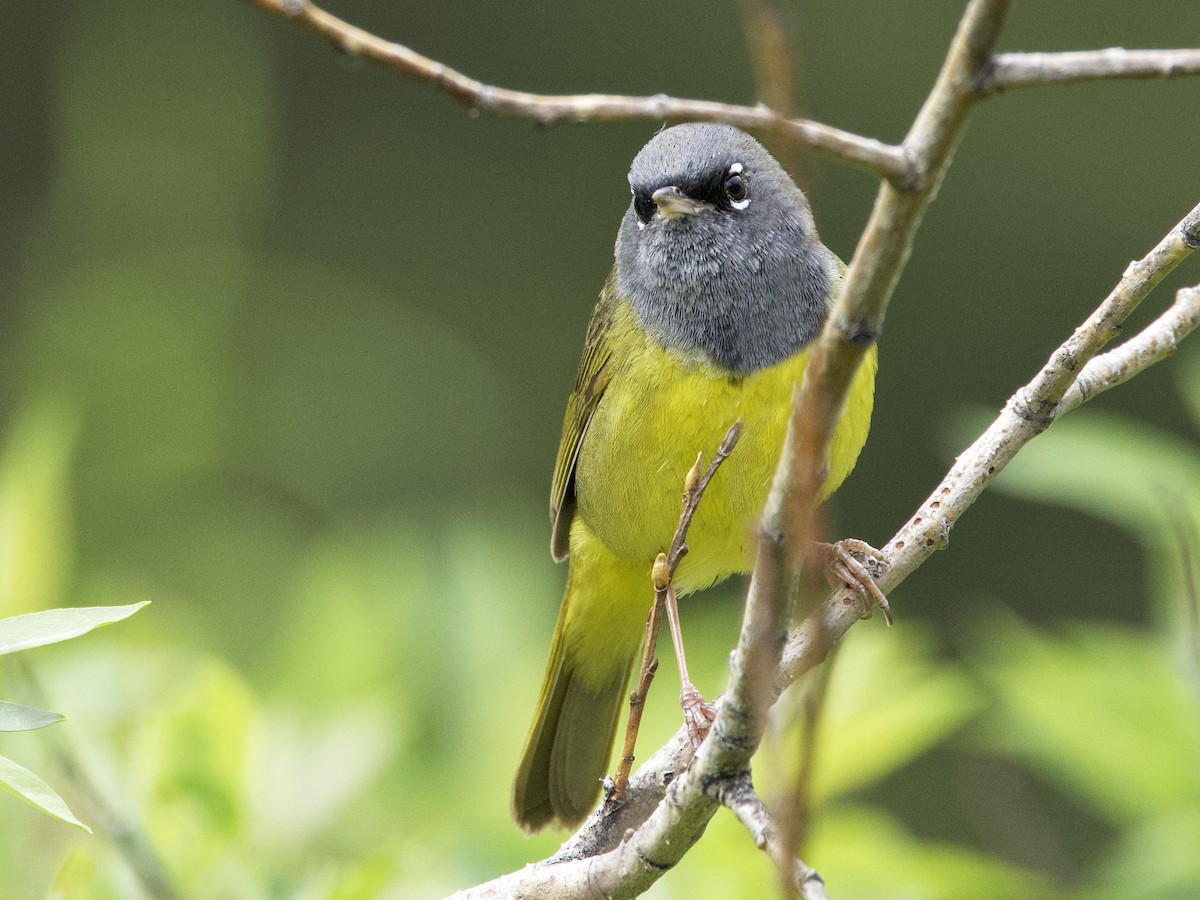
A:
[737,187]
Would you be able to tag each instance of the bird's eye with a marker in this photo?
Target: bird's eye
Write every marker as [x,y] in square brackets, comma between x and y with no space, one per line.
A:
[644,208]
[737,189]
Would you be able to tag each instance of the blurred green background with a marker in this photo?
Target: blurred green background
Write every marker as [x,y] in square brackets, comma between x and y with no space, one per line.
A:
[284,347]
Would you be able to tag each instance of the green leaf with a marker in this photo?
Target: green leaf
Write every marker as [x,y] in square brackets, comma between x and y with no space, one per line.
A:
[15,717]
[29,787]
[53,625]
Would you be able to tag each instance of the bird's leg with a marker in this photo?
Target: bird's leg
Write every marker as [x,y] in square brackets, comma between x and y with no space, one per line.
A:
[856,564]
[697,715]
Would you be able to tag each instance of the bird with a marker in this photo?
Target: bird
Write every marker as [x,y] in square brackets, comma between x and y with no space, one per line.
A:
[719,287]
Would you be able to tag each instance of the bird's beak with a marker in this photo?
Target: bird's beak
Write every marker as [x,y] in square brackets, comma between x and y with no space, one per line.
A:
[673,203]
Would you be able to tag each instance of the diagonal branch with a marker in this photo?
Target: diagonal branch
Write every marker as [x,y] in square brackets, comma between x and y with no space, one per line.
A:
[867,154]
[1010,71]
[740,798]
[883,250]
[1152,344]
[1039,401]
[1027,414]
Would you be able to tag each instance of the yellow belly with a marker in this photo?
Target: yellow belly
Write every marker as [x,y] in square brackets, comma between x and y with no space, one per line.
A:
[662,408]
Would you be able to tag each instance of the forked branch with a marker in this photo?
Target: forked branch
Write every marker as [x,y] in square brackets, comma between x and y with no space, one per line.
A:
[622,850]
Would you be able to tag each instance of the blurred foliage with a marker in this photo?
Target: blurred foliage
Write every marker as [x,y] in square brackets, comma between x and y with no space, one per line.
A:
[24,632]
[284,343]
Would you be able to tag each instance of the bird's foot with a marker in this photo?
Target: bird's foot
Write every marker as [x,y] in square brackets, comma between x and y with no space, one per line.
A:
[856,564]
[697,715]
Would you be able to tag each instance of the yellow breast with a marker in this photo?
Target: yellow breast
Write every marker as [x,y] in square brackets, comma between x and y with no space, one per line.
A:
[662,408]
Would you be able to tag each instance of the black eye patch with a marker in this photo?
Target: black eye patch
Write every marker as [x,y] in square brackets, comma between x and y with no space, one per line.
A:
[643,208]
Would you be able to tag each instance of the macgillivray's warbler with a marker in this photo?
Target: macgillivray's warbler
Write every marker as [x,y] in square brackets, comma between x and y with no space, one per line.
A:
[719,287]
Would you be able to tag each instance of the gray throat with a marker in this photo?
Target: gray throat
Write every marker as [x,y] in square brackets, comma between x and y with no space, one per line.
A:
[705,286]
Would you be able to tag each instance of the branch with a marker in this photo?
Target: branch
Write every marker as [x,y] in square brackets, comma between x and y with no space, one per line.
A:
[1009,71]
[695,483]
[883,250]
[1153,343]
[741,799]
[866,154]
[1027,414]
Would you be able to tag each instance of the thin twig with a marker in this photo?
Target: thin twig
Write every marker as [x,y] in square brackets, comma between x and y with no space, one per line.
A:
[740,798]
[694,484]
[694,489]
[1039,401]
[637,699]
[1152,344]
[866,154]
[1010,71]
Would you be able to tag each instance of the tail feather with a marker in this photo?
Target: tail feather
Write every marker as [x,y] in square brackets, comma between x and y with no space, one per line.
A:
[600,627]
[568,747]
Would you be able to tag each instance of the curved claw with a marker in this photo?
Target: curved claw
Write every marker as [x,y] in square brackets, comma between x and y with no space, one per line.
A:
[697,715]
[844,566]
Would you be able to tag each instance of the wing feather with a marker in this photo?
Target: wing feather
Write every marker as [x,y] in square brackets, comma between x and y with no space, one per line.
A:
[595,372]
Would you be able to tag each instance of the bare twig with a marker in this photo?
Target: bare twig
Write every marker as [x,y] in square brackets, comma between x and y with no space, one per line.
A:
[1039,401]
[866,154]
[694,484]
[694,488]
[1152,344]
[637,698]
[739,796]
[1010,71]
[898,165]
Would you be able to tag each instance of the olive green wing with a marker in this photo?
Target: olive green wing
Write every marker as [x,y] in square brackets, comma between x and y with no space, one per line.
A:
[595,372]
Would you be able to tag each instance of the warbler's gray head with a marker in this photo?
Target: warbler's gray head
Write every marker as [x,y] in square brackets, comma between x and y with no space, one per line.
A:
[718,253]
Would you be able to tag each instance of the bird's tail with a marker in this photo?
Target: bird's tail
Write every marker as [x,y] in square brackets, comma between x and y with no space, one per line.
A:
[566,754]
